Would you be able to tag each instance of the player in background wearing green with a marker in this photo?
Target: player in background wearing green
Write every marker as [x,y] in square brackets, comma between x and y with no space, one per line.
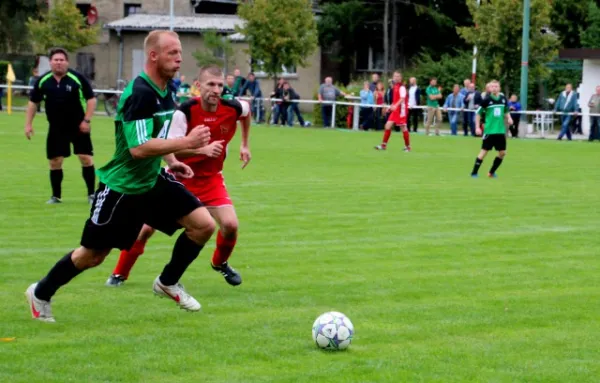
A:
[228,88]
[494,108]
[135,190]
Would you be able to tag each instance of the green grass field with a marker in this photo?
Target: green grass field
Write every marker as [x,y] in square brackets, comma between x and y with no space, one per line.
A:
[446,278]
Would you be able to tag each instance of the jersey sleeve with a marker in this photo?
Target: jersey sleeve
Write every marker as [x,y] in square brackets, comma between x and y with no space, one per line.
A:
[36,94]
[245,112]
[178,125]
[86,88]
[138,118]
[484,104]
[403,92]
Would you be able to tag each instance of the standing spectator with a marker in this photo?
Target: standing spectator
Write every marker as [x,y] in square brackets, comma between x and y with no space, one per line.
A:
[566,103]
[433,106]
[470,105]
[279,111]
[374,82]
[70,103]
[514,106]
[465,93]
[594,105]
[239,83]
[228,88]
[379,96]
[289,95]
[414,100]
[252,86]
[454,100]
[32,79]
[366,112]
[328,92]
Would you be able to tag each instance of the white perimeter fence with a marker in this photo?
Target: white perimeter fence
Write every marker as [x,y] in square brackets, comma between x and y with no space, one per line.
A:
[539,122]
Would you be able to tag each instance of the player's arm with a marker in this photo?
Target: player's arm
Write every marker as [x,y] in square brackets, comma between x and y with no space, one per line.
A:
[178,130]
[478,114]
[90,97]
[35,97]
[138,125]
[245,119]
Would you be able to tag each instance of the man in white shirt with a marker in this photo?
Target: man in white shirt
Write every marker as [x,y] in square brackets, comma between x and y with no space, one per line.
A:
[414,99]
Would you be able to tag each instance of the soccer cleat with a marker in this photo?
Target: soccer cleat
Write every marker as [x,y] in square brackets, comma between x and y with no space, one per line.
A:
[231,276]
[407,149]
[176,293]
[53,200]
[380,147]
[492,175]
[40,309]
[474,176]
[115,280]
[91,199]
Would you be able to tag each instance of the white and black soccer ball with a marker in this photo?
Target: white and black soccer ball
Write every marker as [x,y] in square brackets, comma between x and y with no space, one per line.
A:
[333,331]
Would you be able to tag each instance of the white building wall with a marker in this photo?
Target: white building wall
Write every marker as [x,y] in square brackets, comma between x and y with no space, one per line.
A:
[590,79]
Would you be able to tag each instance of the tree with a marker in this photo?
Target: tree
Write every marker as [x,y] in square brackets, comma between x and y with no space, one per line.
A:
[217,50]
[567,17]
[13,15]
[498,39]
[280,33]
[590,36]
[63,26]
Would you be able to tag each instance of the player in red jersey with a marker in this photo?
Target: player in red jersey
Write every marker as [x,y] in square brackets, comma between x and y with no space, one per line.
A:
[207,184]
[399,115]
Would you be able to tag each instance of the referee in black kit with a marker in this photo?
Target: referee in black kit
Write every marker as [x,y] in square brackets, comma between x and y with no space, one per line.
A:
[69,103]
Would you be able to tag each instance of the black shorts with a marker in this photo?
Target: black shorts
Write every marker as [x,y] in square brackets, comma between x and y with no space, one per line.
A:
[494,141]
[116,219]
[60,138]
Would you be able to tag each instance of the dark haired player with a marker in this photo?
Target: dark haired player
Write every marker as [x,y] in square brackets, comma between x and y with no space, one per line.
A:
[208,184]
[494,108]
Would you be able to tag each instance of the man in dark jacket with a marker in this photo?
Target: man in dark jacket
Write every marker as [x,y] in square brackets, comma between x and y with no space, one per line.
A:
[288,95]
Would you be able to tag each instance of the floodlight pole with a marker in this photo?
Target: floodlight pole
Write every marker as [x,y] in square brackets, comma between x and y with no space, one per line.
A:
[474,72]
[171,13]
[524,66]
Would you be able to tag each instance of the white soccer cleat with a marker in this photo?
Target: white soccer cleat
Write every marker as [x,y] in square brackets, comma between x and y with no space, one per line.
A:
[176,293]
[40,309]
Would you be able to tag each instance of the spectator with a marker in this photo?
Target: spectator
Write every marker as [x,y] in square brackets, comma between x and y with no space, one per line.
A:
[228,88]
[252,86]
[1,95]
[32,79]
[594,105]
[379,96]
[566,103]
[328,92]
[279,110]
[433,106]
[366,112]
[414,100]
[465,114]
[471,103]
[455,100]
[239,83]
[374,81]
[514,106]
[183,92]
[289,95]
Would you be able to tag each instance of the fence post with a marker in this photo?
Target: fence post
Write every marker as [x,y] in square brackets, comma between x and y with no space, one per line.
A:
[333,115]
[356,117]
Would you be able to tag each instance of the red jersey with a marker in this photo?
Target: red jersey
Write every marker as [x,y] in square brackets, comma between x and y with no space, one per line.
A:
[399,92]
[222,124]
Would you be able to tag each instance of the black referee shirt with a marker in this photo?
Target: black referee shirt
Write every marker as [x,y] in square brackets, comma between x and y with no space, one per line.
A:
[65,100]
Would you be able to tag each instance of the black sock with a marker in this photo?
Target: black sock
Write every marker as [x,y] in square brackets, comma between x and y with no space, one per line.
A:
[56,177]
[89,176]
[478,163]
[184,253]
[62,272]
[496,165]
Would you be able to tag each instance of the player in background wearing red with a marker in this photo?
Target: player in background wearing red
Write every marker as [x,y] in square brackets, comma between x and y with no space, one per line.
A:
[208,184]
[399,115]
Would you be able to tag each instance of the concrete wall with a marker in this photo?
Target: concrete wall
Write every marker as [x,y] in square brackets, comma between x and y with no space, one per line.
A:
[590,79]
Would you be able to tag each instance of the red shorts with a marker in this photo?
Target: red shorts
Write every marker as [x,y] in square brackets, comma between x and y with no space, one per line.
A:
[397,119]
[211,191]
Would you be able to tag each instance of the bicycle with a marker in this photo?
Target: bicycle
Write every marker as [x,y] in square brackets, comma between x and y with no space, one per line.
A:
[111,101]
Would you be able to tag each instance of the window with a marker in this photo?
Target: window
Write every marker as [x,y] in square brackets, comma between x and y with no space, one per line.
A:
[369,58]
[285,71]
[219,53]
[84,9]
[131,9]
[86,65]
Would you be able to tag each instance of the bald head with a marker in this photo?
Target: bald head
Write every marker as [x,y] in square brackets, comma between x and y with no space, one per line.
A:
[153,41]
[163,53]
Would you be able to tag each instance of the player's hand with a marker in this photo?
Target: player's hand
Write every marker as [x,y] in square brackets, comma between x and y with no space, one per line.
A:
[28,131]
[510,121]
[245,156]
[478,131]
[198,137]
[393,107]
[84,127]
[214,149]
[181,170]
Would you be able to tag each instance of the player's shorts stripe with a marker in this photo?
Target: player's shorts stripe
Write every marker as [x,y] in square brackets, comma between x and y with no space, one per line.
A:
[99,202]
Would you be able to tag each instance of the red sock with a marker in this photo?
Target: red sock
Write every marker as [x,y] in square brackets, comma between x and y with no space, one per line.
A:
[406,138]
[386,136]
[127,259]
[223,250]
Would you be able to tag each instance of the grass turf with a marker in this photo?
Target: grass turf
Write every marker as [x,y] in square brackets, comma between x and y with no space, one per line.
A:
[446,278]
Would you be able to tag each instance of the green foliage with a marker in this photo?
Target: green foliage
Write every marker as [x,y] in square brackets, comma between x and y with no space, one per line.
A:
[590,36]
[498,38]
[218,50]
[13,15]
[279,32]
[63,26]
[3,70]
[567,17]
[341,111]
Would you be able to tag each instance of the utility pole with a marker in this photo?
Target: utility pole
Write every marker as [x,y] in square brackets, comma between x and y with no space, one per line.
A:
[474,72]
[394,44]
[172,16]
[386,42]
[524,65]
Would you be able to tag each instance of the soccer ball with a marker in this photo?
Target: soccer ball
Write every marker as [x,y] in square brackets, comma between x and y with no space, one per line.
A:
[333,331]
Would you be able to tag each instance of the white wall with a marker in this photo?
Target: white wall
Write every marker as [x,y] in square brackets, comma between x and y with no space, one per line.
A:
[590,79]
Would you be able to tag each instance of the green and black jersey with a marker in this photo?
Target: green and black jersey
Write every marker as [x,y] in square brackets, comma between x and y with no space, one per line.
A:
[494,110]
[144,112]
